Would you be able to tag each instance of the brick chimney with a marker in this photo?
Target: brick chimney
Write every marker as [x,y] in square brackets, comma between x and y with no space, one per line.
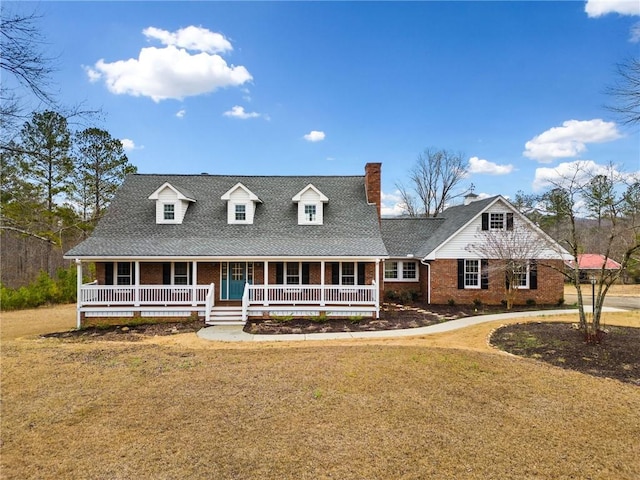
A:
[372,172]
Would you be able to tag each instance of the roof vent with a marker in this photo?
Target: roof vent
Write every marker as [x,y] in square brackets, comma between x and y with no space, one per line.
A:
[470,197]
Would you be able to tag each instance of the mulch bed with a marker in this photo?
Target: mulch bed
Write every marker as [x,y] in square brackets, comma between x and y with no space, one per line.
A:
[130,333]
[563,345]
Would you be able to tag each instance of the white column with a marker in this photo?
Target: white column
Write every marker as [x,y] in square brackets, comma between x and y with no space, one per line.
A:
[377,291]
[322,284]
[79,291]
[194,276]
[136,300]
[266,283]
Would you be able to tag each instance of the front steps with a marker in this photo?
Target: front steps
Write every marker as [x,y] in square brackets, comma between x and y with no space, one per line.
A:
[226,315]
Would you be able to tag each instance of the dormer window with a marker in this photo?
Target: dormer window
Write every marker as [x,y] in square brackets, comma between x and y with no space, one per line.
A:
[241,204]
[310,213]
[169,211]
[310,202]
[241,213]
[171,203]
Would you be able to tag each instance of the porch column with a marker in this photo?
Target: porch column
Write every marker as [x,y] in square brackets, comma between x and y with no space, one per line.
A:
[322,285]
[79,292]
[266,283]
[194,283]
[136,298]
[377,291]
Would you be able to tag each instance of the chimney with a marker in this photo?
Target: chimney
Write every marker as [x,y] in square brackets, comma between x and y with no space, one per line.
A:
[372,185]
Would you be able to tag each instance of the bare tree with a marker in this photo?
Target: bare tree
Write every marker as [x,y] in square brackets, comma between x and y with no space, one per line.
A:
[626,92]
[511,252]
[435,180]
[619,234]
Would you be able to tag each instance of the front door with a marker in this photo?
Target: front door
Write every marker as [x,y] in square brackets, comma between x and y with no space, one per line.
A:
[234,277]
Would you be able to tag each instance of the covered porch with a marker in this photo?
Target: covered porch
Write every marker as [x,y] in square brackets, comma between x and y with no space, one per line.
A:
[225,291]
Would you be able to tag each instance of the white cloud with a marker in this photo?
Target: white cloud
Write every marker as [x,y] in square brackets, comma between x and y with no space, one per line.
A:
[597,8]
[181,113]
[478,165]
[314,136]
[129,144]
[191,38]
[570,139]
[576,172]
[238,112]
[172,71]
[391,204]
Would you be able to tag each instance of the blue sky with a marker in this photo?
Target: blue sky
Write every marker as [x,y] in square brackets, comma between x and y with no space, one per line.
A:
[321,88]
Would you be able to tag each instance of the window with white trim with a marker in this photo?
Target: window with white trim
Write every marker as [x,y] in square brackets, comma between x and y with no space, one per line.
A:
[472,274]
[241,212]
[181,273]
[124,274]
[293,273]
[169,211]
[496,221]
[401,270]
[310,213]
[521,276]
[348,274]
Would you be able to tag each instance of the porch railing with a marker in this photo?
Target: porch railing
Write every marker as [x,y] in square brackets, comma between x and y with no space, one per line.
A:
[312,294]
[138,295]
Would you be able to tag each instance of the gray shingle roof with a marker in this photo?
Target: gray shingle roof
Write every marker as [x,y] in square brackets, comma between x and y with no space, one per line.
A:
[129,228]
[420,236]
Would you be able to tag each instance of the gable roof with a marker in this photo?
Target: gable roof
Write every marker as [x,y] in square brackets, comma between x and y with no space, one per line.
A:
[129,229]
[252,196]
[298,196]
[181,193]
[595,261]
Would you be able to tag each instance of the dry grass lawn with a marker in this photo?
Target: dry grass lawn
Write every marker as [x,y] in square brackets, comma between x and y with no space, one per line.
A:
[615,290]
[443,406]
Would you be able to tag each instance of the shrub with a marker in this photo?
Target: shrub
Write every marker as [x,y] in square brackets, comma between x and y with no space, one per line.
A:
[451,302]
[44,290]
[531,302]
[477,303]
[560,301]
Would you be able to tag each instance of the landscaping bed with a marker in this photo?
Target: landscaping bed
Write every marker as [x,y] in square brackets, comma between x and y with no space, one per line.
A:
[562,344]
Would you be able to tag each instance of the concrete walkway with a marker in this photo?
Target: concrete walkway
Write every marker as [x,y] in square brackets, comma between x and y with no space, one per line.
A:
[234,333]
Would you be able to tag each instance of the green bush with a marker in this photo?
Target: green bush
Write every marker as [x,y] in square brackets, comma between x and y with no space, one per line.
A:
[44,290]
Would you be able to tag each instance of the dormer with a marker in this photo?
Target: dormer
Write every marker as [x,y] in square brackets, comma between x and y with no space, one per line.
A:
[171,204]
[241,205]
[310,202]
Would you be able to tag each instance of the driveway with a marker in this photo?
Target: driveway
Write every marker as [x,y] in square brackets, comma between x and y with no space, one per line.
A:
[626,302]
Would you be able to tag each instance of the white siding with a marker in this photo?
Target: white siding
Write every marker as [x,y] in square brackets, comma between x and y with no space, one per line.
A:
[310,197]
[240,197]
[456,246]
[169,196]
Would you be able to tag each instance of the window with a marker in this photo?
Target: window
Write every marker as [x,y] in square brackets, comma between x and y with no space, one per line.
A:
[310,213]
[409,271]
[169,211]
[181,273]
[123,274]
[390,270]
[496,221]
[293,274]
[472,274]
[521,276]
[401,271]
[348,273]
[241,213]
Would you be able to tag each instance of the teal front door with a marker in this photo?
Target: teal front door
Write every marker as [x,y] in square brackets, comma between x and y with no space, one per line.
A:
[234,276]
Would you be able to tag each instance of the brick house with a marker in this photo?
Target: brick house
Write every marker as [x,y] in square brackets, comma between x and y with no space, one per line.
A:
[228,248]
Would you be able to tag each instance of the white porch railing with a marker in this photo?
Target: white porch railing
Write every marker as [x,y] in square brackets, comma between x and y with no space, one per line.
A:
[139,295]
[311,295]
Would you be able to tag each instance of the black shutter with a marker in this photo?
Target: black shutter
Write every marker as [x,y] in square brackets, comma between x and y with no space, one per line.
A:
[166,274]
[361,273]
[279,273]
[460,274]
[190,268]
[509,221]
[133,274]
[335,273]
[533,275]
[108,273]
[305,273]
[485,221]
[484,274]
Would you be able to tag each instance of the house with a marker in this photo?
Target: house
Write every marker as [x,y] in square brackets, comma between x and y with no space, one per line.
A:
[593,265]
[431,256]
[229,248]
